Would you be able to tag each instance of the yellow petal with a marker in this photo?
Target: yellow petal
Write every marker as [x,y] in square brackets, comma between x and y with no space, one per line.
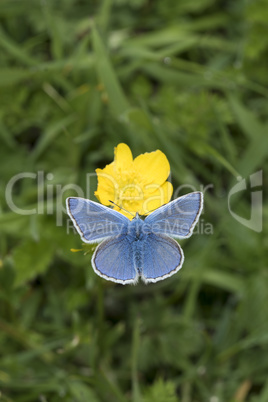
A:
[154,200]
[153,167]
[122,157]
[107,184]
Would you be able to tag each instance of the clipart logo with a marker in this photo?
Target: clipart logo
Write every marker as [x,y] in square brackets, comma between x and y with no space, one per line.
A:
[255,220]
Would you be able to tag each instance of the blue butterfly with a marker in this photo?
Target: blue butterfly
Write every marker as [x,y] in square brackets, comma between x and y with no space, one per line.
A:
[137,248]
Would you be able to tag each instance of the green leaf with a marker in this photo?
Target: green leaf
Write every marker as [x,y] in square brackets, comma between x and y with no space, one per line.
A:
[106,72]
[51,134]
[168,75]
[13,76]
[213,152]
[81,392]
[257,150]
[161,391]
[135,347]
[16,49]
[31,259]
[246,119]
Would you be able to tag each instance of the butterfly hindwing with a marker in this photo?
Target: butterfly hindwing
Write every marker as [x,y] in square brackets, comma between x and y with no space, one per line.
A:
[113,259]
[163,258]
[95,222]
[177,218]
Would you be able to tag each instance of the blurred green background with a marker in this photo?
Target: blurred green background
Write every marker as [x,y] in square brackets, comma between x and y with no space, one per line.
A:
[78,77]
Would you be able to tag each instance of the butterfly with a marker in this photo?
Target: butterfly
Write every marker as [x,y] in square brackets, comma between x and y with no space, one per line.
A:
[137,248]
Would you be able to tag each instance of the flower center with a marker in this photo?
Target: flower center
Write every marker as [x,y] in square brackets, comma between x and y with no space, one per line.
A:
[130,192]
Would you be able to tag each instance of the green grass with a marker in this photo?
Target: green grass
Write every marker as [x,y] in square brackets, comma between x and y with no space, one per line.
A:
[77,78]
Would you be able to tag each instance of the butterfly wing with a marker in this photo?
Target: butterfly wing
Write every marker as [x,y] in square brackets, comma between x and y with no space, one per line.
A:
[162,258]
[177,218]
[113,260]
[95,222]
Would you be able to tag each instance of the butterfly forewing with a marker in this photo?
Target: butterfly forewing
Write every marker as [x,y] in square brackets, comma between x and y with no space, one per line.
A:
[177,218]
[95,222]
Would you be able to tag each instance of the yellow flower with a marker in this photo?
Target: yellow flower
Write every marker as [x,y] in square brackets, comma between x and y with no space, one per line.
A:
[138,185]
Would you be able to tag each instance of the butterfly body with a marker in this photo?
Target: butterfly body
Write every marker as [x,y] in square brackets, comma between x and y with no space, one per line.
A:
[137,238]
[137,248]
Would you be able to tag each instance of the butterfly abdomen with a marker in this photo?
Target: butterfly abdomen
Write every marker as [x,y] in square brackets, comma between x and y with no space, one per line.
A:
[137,249]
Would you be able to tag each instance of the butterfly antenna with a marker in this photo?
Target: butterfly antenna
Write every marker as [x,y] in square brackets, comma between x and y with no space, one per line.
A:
[121,207]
